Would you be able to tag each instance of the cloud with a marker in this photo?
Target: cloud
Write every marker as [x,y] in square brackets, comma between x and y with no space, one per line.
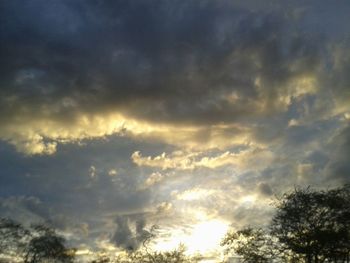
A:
[153,179]
[265,189]
[112,172]
[30,209]
[164,207]
[194,194]
[127,239]
[206,108]
[191,77]
[92,171]
[337,168]
[24,209]
[188,161]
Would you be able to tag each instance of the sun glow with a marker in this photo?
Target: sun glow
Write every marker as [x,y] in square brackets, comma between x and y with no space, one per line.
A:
[204,237]
[248,199]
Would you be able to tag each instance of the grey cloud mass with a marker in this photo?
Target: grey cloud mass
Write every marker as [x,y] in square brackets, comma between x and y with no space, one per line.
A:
[160,62]
[143,55]
[124,236]
[175,111]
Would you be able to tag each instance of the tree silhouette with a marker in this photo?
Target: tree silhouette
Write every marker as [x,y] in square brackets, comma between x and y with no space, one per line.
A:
[314,224]
[254,245]
[141,256]
[338,200]
[47,245]
[38,243]
[13,237]
[308,226]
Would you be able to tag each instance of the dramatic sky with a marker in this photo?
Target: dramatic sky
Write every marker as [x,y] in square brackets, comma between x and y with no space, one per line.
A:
[192,115]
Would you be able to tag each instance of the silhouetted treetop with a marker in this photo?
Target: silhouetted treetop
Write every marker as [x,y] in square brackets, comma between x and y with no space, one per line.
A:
[38,243]
[308,226]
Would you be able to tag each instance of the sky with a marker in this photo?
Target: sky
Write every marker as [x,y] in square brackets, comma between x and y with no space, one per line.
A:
[189,115]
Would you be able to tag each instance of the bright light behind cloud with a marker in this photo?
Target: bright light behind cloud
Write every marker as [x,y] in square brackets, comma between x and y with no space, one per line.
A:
[204,237]
[248,199]
[194,194]
[119,115]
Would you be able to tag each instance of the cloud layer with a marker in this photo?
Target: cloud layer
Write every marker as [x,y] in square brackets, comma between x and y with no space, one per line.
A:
[175,112]
[183,73]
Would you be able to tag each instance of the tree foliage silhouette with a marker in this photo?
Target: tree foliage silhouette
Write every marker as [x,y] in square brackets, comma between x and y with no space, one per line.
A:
[314,224]
[254,245]
[13,237]
[141,256]
[308,226]
[47,245]
[38,243]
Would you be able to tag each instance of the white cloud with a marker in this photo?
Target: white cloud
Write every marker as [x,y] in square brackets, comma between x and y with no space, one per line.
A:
[92,171]
[153,179]
[112,172]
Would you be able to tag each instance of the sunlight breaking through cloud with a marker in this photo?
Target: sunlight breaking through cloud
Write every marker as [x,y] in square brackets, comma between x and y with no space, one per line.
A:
[117,116]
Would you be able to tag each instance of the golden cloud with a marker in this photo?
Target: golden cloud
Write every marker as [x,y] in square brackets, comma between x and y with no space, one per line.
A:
[245,159]
[38,131]
[41,136]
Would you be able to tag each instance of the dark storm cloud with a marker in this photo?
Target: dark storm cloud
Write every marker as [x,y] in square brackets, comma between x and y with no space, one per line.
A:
[162,61]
